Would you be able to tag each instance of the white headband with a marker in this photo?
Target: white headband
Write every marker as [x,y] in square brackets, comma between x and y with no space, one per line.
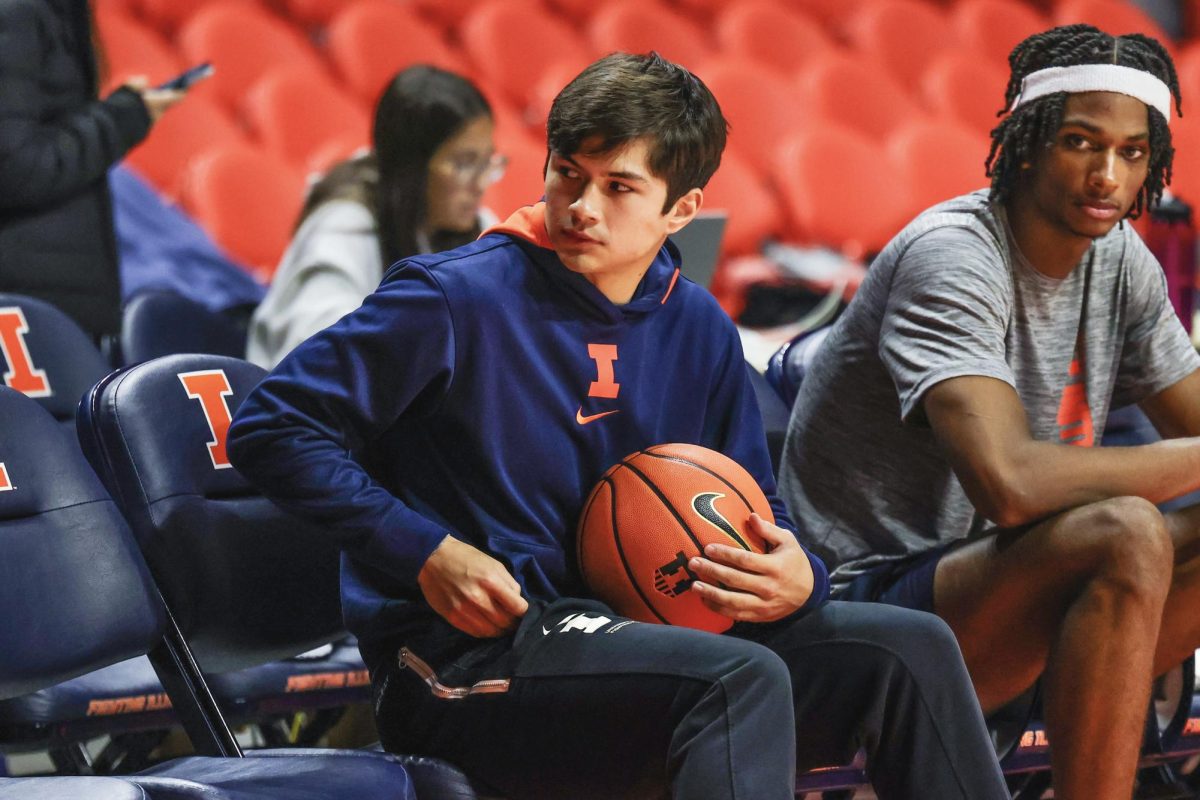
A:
[1096,78]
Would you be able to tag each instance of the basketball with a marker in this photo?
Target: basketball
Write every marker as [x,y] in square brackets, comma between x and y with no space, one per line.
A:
[649,515]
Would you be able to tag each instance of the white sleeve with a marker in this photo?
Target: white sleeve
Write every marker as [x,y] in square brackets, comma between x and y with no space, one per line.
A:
[332,264]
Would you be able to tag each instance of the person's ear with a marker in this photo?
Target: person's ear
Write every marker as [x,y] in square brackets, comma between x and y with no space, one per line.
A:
[684,210]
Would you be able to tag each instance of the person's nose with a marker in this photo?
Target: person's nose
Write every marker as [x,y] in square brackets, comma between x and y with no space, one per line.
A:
[1105,171]
[583,208]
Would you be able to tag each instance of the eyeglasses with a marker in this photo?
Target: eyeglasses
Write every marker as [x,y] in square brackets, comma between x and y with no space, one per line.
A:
[468,170]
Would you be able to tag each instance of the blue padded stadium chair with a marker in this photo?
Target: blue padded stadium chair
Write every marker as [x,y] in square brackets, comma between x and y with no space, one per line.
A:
[786,368]
[160,323]
[774,415]
[247,583]
[72,788]
[76,596]
[50,358]
[46,355]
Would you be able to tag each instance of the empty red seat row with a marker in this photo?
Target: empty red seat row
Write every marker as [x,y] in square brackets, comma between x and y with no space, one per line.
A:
[781,68]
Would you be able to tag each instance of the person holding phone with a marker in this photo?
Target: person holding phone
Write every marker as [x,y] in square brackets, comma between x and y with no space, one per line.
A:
[418,191]
[57,143]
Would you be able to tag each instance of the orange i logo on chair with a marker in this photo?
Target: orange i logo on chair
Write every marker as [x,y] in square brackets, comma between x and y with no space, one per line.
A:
[22,375]
[211,387]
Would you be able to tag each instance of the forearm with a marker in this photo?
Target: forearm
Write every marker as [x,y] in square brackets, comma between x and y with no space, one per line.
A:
[1046,478]
[319,480]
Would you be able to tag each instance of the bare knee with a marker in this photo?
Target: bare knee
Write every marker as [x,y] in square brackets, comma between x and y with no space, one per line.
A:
[1129,546]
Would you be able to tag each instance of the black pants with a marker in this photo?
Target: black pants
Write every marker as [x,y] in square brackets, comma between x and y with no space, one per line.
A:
[580,704]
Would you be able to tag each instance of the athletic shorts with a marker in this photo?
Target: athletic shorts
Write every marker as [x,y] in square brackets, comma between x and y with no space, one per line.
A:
[907,583]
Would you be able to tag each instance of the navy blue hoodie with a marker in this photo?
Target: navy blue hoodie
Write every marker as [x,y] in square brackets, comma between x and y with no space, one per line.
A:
[467,396]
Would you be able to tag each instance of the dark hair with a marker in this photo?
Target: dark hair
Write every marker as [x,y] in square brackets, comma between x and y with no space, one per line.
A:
[624,97]
[1033,126]
[421,108]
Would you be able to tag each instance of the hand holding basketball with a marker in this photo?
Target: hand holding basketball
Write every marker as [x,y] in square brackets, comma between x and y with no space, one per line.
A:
[471,590]
[759,587]
[654,513]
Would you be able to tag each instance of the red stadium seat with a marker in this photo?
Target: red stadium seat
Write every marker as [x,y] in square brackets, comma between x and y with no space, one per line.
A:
[313,13]
[1191,19]
[512,43]
[185,132]
[960,85]
[508,121]
[297,116]
[170,15]
[937,160]
[701,12]
[552,81]
[248,200]
[244,43]
[334,151]
[131,49]
[905,35]
[446,14]
[1111,16]
[755,213]
[856,92]
[1188,67]
[767,31]
[639,26]
[575,12]
[1185,179]
[834,193]
[762,108]
[125,7]
[992,28]
[524,182]
[831,13]
[369,41]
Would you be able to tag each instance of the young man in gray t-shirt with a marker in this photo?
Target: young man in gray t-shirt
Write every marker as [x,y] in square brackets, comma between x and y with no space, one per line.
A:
[939,455]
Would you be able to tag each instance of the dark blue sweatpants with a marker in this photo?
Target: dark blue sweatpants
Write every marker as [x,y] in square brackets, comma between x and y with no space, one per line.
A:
[581,703]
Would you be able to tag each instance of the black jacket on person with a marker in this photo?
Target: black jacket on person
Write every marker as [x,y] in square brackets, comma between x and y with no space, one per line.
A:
[57,142]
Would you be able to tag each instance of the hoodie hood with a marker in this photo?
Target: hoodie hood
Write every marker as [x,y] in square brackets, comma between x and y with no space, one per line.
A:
[527,226]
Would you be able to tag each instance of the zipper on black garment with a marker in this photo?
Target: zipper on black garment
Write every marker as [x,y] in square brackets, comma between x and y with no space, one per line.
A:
[410,660]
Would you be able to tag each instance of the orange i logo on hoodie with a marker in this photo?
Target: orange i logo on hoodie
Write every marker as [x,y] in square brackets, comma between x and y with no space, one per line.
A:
[1074,413]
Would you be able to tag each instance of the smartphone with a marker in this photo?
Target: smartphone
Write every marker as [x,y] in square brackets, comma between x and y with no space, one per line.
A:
[185,79]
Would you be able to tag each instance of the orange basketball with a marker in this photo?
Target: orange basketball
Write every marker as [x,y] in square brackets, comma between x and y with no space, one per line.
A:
[650,514]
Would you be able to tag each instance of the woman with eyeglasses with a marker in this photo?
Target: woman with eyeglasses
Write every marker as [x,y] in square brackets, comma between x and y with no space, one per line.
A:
[418,191]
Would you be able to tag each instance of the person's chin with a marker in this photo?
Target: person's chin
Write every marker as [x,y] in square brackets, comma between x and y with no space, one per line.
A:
[1094,229]
[573,261]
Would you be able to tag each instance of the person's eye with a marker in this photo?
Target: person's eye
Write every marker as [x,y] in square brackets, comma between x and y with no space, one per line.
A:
[1075,141]
[619,188]
[1133,153]
[567,172]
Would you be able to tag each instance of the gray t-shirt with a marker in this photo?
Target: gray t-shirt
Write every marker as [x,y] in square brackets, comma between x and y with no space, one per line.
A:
[952,295]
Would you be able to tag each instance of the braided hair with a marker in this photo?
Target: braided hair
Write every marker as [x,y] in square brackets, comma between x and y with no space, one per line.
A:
[1016,140]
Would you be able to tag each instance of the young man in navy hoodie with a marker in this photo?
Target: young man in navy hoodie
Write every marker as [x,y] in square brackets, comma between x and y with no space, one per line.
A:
[448,433]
